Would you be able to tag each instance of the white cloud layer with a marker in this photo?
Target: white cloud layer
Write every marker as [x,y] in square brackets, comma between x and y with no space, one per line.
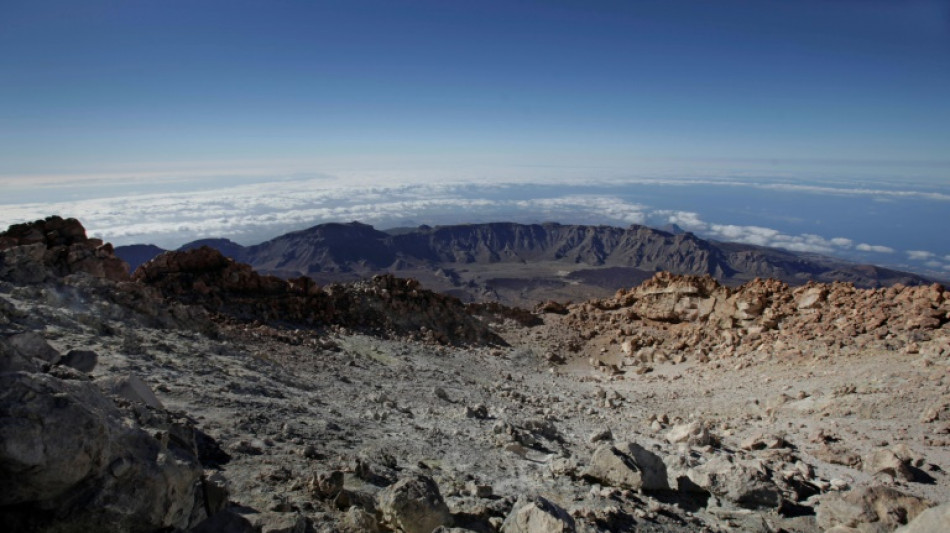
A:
[920,255]
[762,236]
[253,212]
[874,248]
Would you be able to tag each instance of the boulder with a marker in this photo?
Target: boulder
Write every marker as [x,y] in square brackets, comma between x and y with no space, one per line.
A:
[81,360]
[130,387]
[225,521]
[414,505]
[749,484]
[609,466]
[326,485]
[56,247]
[11,360]
[538,516]
[68,448]
[873,509]
[53,434]
[887,462]
[693,434]
[652,468]
[31,344]
[933,520]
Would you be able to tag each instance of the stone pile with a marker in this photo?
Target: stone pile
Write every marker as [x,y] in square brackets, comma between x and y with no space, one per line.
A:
[673,317]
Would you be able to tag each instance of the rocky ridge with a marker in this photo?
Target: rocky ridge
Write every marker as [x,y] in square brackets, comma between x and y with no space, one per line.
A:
[522,263]
[384,304]
[679,405]
[680,317]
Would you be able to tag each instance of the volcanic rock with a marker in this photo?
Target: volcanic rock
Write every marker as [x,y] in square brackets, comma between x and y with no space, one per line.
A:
[538,515]
[870,509]
[414,505]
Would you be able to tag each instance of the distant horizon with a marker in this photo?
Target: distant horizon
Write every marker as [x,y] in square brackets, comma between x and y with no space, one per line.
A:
[812,126]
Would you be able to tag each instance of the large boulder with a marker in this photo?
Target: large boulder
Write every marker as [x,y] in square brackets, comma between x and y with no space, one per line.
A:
[875,509]
[629,466]
[749,483]
[72,459]
[414,505]
[885,461]
[538,515]
[609,466]
[55,247]
[31,344]
[933,520]
[11,360]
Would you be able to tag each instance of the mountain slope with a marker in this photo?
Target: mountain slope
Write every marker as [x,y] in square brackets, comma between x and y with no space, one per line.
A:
[526,263]
[481,252]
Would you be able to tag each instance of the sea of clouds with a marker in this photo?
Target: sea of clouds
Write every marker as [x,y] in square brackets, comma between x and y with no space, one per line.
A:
[251,210]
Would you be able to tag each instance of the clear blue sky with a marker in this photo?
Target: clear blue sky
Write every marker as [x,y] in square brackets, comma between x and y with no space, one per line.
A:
[98,87]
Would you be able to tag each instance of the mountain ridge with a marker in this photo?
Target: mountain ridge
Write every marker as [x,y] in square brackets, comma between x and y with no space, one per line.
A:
[468,260]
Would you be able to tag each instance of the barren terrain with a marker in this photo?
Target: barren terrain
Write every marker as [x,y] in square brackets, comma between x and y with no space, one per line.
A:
[678,405]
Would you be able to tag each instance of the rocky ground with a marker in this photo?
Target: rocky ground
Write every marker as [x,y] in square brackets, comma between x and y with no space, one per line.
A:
[679,405]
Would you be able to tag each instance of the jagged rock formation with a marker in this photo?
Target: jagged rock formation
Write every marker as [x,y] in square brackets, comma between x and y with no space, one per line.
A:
[383,304]
[61,247]
[700,317]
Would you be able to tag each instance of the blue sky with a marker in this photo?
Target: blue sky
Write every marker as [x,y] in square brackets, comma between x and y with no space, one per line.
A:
[92,87]
[123,98]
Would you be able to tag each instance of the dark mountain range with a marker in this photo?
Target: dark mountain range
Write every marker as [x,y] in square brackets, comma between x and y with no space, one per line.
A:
[521,263]
[136,254]
[227,247]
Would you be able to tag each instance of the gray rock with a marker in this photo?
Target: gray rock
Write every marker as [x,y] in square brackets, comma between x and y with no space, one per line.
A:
[887,462]
[53,435]
[31,344]
[217,491]
[652,468]
[326,485]
[225,521]
[693,433]
[933,520]
[601,435]
[610,466]
[274,522]
[414,505]
[66,446]
[12,360]
[81,360]
[747,483]
[870,509]
[359,519]
[538,516]
[131,388]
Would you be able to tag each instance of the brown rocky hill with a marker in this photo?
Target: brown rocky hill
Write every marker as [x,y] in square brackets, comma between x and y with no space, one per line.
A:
[383,304]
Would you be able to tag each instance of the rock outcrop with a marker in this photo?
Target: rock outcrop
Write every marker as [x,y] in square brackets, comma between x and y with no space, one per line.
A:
[55,247]
[384,304]
[75,459]
[693,317]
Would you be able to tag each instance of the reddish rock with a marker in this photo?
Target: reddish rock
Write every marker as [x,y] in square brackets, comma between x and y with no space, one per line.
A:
[384,304]
[56,247]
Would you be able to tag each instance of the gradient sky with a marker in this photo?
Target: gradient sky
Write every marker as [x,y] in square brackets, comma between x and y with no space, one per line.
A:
[126,87]
[817,126]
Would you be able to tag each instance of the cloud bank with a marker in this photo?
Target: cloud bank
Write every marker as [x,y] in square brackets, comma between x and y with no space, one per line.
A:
[258,210]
